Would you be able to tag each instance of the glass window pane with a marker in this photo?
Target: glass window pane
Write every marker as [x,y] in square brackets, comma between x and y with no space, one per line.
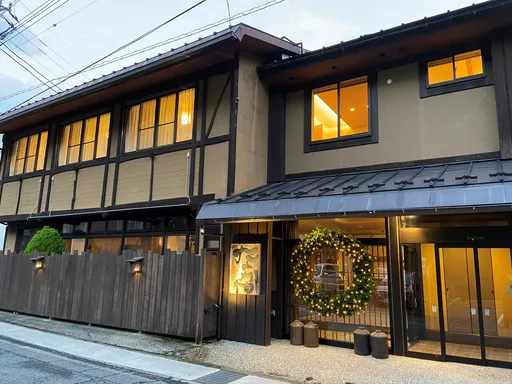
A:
[148,114]
[354,107]
[165,134]
[144,244]
[76,133]
[19,166]
[41,156]
[64,144]
[146,138]
[22,148]
[131,131]
[103,134]
[134,226]
[32,145]
[67,228]
[155,224]
[325,114]
[81,228]
[440,71]
[176,243]
[14,155]
[469,64]
[115,226]
[73,154]
[185,115]
[88,151]
[90,129]
[167,109]
[177,223]
[98,226]
[98,246]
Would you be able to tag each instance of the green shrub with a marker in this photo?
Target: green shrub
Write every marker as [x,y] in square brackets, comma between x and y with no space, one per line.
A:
[47,241]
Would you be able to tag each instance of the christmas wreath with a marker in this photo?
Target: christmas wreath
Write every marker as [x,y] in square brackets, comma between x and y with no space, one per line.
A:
[353,298]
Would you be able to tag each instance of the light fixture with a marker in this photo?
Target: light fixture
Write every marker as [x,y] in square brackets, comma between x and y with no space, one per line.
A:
[352,109]
[38,262]
[185,118]
[136,264]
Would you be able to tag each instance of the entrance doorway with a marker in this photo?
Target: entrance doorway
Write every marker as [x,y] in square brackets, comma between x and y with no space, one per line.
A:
[459,303]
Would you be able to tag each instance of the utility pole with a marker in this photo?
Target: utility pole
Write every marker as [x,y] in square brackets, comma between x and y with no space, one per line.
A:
[5,12]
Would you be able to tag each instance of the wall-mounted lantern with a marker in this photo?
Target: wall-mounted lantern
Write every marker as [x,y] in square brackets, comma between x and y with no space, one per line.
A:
[38,262]
[136,264]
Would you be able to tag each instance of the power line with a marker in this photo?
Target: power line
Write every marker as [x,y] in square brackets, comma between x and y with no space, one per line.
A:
[28,70]
[154,46]
[120,48]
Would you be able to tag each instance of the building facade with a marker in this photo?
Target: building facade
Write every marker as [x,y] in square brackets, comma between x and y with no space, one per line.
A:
[124,162]
[402,139]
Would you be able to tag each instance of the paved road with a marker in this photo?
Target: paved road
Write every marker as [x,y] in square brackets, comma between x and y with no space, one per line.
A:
[20,364]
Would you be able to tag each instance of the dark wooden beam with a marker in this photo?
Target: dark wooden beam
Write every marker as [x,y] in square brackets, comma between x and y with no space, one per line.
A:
[233,124]
[276,136]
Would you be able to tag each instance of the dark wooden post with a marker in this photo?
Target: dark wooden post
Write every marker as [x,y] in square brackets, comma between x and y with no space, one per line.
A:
[200,300]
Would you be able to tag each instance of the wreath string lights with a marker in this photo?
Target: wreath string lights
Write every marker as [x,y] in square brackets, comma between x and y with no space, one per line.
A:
[354,298]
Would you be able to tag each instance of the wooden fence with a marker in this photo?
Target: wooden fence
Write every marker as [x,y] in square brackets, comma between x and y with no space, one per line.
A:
[168,295]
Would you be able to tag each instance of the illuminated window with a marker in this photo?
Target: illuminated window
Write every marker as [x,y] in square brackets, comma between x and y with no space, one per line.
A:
[462,66]
[340,110]
[28,154]
[84,140]
[147,128]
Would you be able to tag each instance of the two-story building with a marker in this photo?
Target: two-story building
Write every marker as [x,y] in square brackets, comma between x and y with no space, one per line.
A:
[124,161]
[403,139]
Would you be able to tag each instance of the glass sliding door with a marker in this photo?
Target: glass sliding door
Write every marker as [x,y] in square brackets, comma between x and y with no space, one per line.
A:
[495,266]
[461,314]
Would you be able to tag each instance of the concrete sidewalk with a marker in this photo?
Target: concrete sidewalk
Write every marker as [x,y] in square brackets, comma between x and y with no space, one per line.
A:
[119,357]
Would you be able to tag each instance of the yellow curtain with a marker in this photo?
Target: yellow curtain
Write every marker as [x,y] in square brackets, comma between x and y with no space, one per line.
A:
[89,139]
[166,121]
[74,142]
[185,115]
[64,144]
[31,153]
[147,123]
[41,156]
[132,126]
[14,156]
[20,155]
[103,132]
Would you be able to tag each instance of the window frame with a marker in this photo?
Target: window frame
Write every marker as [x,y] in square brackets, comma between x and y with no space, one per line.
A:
[27,135]
[157,97]
[370,137]
[82,119]
[456,85]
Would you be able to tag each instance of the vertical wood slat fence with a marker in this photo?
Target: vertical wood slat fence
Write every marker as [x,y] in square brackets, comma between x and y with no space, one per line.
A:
[166,297]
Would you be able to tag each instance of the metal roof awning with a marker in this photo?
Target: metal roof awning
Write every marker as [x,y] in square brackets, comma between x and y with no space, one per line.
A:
[485,183]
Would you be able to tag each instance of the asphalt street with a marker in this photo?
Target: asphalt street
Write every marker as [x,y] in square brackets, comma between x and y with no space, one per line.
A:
[21,364]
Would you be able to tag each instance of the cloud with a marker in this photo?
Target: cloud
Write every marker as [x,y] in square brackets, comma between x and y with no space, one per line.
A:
[9,85]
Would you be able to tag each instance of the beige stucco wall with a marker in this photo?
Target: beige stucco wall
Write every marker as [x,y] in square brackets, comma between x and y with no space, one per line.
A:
[89,187]
[170,175]
[133,181]
[29,196]
[10,237]
[215,87]
[110,184]
[216,169]
[252,129]
[9,198]
[62,191]
[410,128]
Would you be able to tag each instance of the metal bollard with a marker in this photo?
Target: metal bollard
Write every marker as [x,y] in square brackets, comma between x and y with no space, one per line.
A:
[297,333]
[311,337]
[362,341]
[379,343]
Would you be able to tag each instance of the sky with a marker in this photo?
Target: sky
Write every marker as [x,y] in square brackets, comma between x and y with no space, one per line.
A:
[108,24]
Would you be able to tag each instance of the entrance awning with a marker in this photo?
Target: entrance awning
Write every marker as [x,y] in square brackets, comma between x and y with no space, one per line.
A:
[485,183]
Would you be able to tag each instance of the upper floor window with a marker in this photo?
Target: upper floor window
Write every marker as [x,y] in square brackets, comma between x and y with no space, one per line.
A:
[340,110]
[158,122]
[84,140]
[28,154]
[454,68]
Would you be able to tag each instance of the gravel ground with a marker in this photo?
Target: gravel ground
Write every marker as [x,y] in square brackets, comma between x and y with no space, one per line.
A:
[332,365]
